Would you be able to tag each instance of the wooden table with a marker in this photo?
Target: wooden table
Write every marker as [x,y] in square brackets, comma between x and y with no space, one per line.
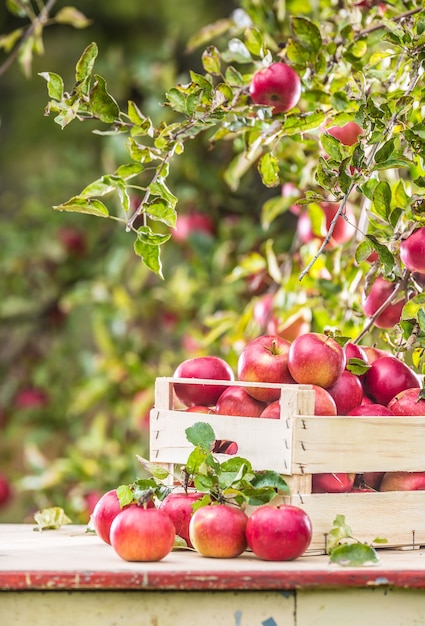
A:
[69,577]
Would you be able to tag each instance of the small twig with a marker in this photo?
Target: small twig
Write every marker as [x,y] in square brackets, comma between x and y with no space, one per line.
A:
[41,19]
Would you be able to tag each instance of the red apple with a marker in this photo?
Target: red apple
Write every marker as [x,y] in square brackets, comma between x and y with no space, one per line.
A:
[348,134]
[315,358]
[380,291]
[207,367]
[324,404]
[353,351]
[5,491]
[139,534]
[237,401]
[347,392]
[277,85]
[412,250]
[407,402]
[403,481]
[272,410]
[73,240]
[106,509]
[343,231]
[179,507]
[373,479]
[265,359]
[279,533]
[371,409]
[386,377]
[192,223]
[373,353]
[218,531]
[31,398]
[332,483]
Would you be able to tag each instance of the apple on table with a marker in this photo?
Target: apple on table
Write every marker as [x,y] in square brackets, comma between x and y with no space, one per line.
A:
[218,531]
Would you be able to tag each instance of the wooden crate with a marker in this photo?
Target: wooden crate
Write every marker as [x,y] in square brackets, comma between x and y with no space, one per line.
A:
[300,444]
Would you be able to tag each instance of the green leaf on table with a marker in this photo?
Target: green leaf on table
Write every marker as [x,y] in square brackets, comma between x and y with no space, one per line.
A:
[51,518]
[340,530]
[354,555]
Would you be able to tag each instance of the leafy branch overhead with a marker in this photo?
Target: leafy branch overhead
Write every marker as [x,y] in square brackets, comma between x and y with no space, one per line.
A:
[361,65]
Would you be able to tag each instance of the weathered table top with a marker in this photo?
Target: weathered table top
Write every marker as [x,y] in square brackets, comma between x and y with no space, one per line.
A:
[73,559]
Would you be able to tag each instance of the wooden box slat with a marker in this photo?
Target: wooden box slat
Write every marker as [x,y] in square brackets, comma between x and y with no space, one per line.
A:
[299,445]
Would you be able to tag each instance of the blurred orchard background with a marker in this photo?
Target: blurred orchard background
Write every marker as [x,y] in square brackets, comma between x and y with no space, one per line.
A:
[85,326]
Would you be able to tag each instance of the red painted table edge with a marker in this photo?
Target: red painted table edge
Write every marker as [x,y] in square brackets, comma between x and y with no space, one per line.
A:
[206,580]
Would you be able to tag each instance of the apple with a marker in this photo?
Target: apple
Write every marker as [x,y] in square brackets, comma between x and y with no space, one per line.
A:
[262,311]
[218,531]
[379,293]
[265,359]
[237,401]
[225,446]
[373,479]
[412,250]
[191,223]
[272,410]
[178,505]
[386,377]
[207,367]
[105,510]
[370,409]
[353,351]
[332,483]
[343,231]
[294,326]
[142,534]
[347,392]
[5,491]
[277,85]
[73,241]
[279,532]
[289,190]
[31,398]
[348,134]
[315,358]
[403,481]
[407,402]
[373,353]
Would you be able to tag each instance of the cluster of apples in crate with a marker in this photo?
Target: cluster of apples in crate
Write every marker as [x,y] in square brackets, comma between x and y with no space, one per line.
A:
[349,379]
[148,533]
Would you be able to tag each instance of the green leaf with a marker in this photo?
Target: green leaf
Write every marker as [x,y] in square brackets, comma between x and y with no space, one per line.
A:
[196,460]
[384,153]
[340,530]
[296,53]
[254,41]
[331,146]
[161,211]
[296,123]
[413,307]
[307,33]
[157,471]
[159,188]
[55,87]
[125,495]
[51,518]
[269,478]
[85,63]
[150,255]
[385,255]
[354,555]
[268,167]
[382,197]
[237,51]
[70,15]
[357,366]
[211,60]
[102,103]
[79,204]
[201,434]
